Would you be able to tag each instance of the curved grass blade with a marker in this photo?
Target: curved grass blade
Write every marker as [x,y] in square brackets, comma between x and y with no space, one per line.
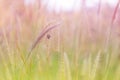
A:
[40,36]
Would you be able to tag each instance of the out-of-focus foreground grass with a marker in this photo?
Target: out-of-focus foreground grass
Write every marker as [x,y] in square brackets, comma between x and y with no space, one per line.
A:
[80,48]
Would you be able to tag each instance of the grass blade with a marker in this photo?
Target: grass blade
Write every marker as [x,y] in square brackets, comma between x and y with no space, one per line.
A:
[40,36]
[112,21]
[115,12]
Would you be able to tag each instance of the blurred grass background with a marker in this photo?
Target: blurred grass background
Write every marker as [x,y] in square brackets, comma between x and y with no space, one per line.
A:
[76,50]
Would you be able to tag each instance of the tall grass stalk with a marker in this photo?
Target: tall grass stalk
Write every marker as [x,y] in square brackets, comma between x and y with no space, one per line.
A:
[95,66]
[67,67]
[64,72]
[40,36]
[109,32]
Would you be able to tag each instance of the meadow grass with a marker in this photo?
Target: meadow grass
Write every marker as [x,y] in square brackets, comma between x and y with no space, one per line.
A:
[75,50]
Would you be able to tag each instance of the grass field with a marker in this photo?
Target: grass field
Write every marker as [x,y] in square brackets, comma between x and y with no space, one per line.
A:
[36,44]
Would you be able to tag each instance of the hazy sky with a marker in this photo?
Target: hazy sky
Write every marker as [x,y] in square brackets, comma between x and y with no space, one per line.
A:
[70,4]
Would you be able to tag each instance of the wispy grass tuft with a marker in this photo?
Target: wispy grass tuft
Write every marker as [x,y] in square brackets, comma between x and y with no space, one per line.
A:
[40,36]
